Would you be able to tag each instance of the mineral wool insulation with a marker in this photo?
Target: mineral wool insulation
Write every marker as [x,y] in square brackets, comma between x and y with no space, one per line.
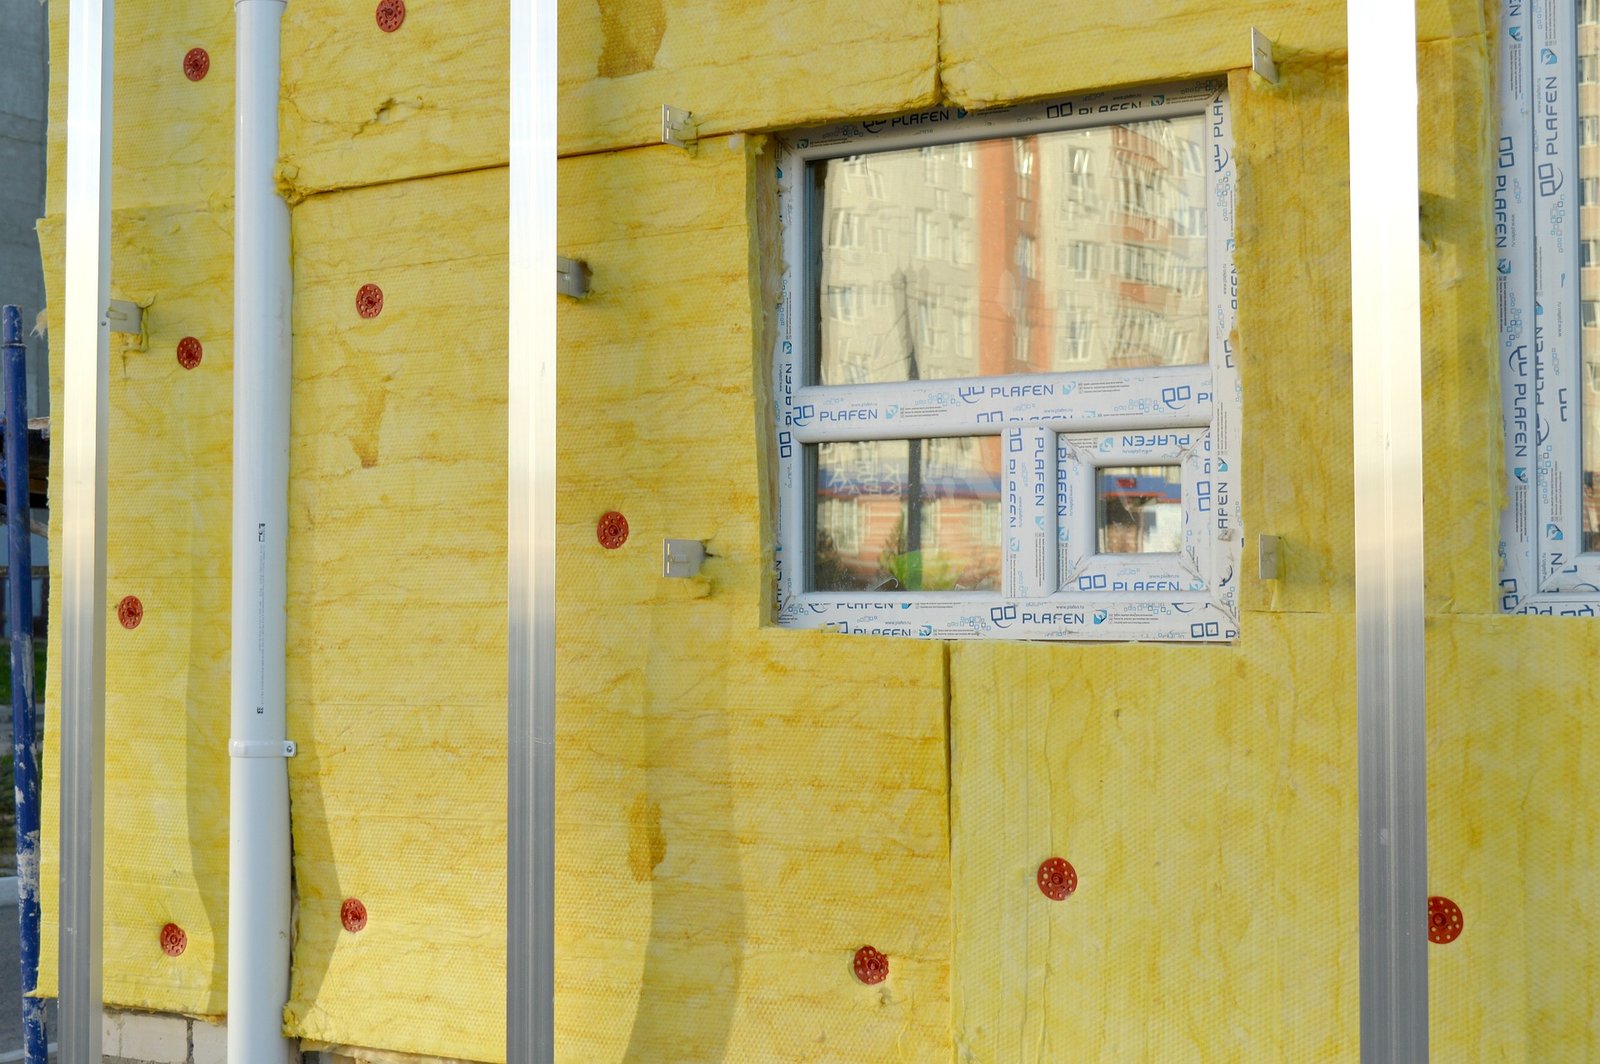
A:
[742,806]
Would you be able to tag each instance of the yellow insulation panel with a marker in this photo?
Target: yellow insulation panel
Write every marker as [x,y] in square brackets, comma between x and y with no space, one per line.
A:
[1205,795]
[1206,798]
[362,106]
[986,58]
[737,66]
[1293,259]
[1463,472]
[169,516]
[1513,790]
[739,808]
[397,617]
[173,139]
[1514,836]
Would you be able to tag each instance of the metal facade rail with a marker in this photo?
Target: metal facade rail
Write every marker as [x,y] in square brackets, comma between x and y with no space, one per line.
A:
[530,880]
[1387,380]
[85,417]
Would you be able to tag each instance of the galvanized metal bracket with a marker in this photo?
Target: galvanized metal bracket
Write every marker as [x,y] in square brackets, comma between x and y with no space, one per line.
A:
[572,277]
[1261,56]
[682,557]
[1270,566]
[678,128]
[124,316]
[261,748]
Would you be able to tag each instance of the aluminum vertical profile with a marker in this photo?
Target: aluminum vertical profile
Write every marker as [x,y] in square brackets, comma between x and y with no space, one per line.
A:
[85,416]
[531,527]
[1387,385]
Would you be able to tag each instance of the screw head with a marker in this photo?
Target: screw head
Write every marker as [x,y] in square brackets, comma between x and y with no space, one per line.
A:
[353,915]
[611,530]
[130,611]
[1057,879]
[190,352]
[369,301]
[871,967]
[1445,922]
[196,64]
[390,14]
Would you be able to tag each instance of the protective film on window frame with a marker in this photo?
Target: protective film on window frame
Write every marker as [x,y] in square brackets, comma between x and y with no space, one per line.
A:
[1005,398]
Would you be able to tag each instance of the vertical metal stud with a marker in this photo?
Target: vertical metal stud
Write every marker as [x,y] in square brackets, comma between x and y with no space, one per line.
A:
[1387,384]
[530,882]
[83,526]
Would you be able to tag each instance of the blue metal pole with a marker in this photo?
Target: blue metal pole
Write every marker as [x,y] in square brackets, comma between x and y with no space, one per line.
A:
[24,747]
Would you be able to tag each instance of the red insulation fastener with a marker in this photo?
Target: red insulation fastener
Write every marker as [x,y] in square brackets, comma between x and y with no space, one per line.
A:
[196,64]
[1057,879]
[369,301]
[189,352]
[173,940]
[612,530]
[353,915]
[871,966]
[1445,921]
[390,14]
[130,611]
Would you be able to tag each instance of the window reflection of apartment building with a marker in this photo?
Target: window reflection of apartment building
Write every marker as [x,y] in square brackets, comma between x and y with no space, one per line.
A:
[1125,233]
[1589,259]
[1067,251]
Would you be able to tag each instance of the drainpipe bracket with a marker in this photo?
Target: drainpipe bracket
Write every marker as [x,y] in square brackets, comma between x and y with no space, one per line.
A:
[261,748]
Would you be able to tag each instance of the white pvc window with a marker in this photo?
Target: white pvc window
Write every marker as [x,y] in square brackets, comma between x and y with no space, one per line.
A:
[1546,220]
[1031,429]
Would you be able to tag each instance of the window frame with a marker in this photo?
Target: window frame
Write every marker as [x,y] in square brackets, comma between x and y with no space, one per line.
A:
[1535,191]
[1053,425]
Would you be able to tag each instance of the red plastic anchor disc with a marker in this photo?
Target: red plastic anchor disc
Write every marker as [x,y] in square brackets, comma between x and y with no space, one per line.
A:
[353,915]
[369,301]
[1445,921]
[390,14]
[1057,879]
[196,64]
[173,940]
[612,530]
[130,611]
[871,966]
[190,352]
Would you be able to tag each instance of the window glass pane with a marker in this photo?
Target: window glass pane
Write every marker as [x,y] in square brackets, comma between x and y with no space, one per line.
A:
[1589,266]
[1139,510]
[908,515]
[1073,250]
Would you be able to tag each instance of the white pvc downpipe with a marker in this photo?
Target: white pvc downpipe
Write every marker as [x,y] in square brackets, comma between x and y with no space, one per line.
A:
[258,812]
